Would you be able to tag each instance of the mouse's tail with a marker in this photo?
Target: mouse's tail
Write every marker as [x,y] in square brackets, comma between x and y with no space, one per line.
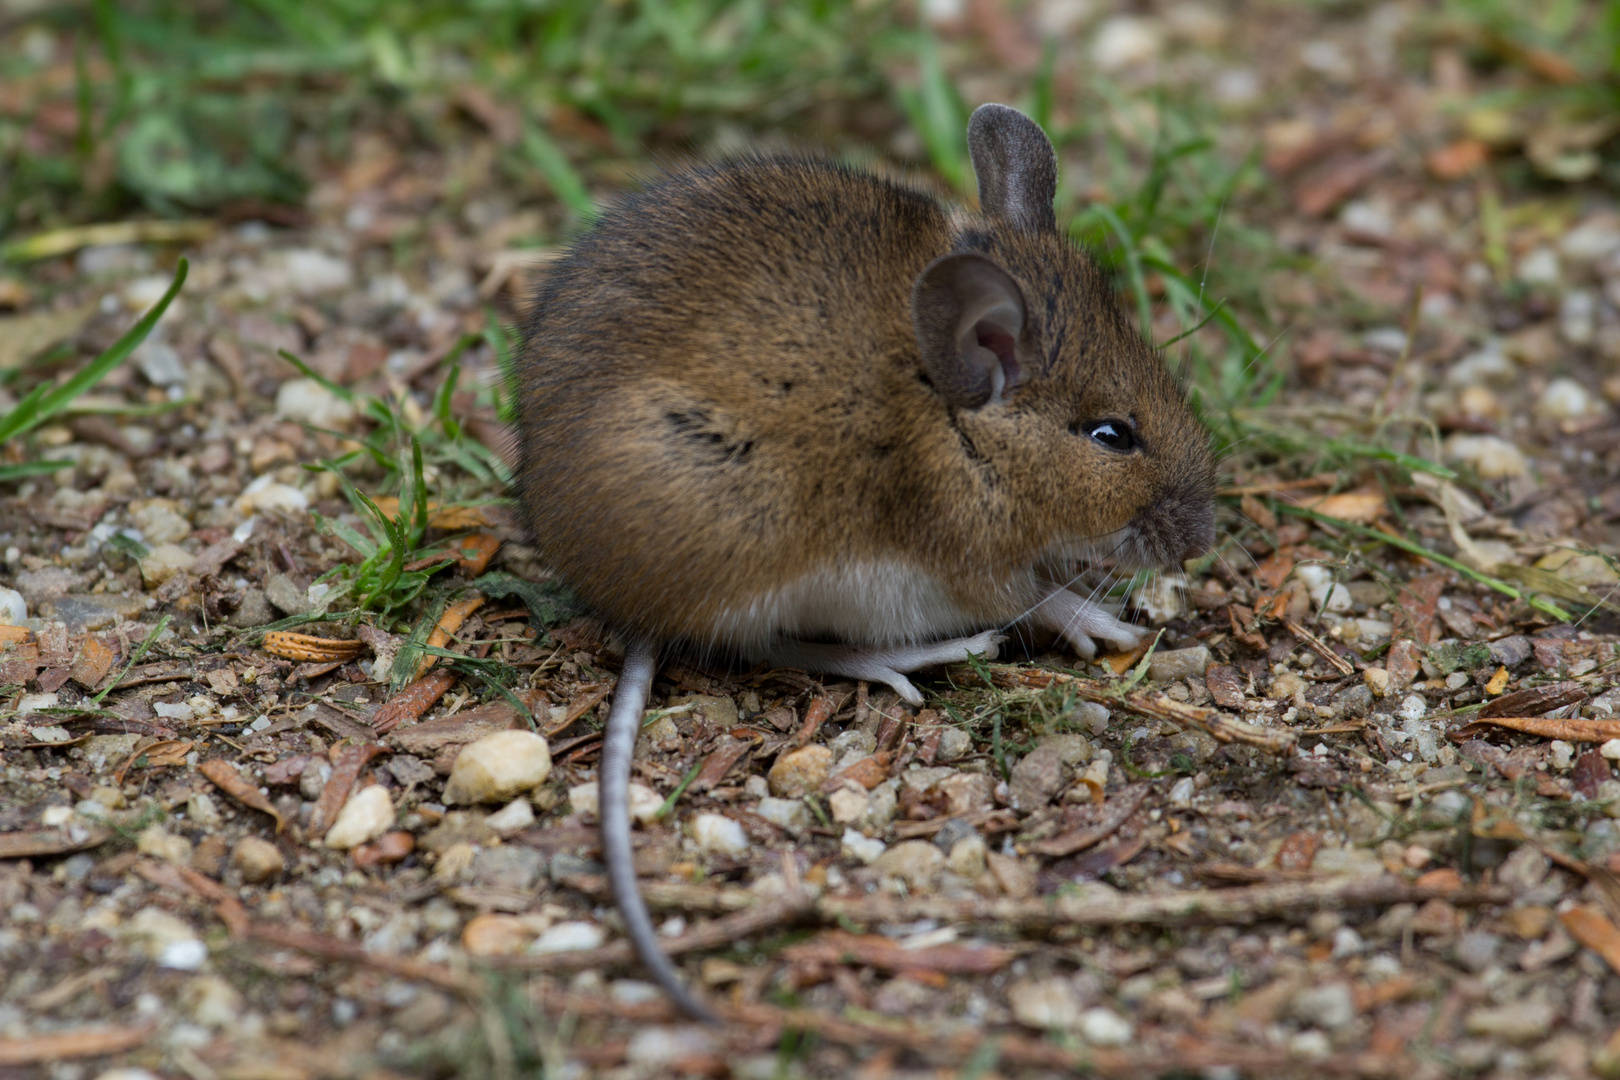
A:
[613,786]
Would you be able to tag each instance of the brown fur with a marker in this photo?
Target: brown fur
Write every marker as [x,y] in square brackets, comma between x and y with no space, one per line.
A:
[723,389]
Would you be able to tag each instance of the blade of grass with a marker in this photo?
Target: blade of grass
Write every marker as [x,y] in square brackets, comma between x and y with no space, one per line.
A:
[134,658]
[558,171]
[44,403]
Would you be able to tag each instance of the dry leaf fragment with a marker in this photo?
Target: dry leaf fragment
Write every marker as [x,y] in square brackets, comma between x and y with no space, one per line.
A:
[1457,160]
[223,775]
[1498,682]
[443,517]
[1362,507]
[34,843]
[309,649]
[873,950]
[1592,928]
[1536,701]
[15,635]
[1592,731]
[475,551]
[454,615]
[411,702]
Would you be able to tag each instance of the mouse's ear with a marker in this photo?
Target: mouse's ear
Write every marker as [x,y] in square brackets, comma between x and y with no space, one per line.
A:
[969,315]
[1016,167]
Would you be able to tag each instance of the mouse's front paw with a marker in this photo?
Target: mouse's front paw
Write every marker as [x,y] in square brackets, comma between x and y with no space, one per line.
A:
[1078,621]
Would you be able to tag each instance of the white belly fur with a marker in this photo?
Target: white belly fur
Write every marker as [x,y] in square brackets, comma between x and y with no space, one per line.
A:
[870,603]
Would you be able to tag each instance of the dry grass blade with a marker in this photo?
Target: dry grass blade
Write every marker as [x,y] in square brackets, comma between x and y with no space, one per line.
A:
[310,649]
[223,775]
[1592,928]
[454,615]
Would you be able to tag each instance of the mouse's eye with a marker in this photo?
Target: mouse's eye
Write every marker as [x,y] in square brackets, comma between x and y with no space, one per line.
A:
[1114,434]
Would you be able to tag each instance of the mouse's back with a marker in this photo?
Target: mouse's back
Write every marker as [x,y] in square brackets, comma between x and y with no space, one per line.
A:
[713,378]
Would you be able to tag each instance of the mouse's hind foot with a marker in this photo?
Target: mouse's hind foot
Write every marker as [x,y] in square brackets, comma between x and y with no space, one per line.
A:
[1078,621]
[885,664]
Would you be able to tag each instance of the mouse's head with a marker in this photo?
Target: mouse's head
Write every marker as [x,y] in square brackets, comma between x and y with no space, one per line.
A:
[1087,435]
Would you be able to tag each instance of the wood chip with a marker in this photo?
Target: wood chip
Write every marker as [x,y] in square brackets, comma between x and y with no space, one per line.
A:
[305,647]
[35,843]
[67,1045]
[223,775]
[1589,926]
[410,703]
[347,762]
[1115,813]
[15,635]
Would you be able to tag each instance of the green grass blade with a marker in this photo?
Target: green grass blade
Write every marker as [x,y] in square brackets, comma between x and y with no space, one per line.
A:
[558,171]
[26,469]
[36,408]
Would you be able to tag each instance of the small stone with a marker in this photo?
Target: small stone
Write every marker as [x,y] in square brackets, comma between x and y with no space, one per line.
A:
[1566,399]
[916,862]
[718,712]
[47,733]
[159,843]
[287,595]
[163,562]
[1179,664]
[509,866]
[254,610]
[1539,266]
[367,815]
[498,767]
[159,520]
[257,860]
[862,848]
[1611,749]
[954,745]
[1520,1022]
[1563,755]
[166,938]
[200,810]
[1040,774]
[1377,680]
[1510,651]
[1181,793]
[1090,716]
[495,934]
[1492,457]
[306,401]
[13,608]
[514,817]
[188,955]
[1412,707]
[799,772]
[1593,239]
[1105,1027]
[265,496]
[212,1002]
[1476,950]
[568,937]
[717,834]
[790,814]
[967,857]
[645,803]
[1125,41]
[849,804]
[660,1047]
[1015,877]
[1045,1004]
[311,272]
[1330,1006]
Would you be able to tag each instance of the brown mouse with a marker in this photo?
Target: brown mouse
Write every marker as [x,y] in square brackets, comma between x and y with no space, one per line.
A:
[783,411]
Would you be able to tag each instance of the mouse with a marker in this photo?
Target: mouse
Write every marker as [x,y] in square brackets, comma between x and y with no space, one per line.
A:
[783,411]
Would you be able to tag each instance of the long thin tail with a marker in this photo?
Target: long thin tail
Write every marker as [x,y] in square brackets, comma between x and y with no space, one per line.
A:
[613,785]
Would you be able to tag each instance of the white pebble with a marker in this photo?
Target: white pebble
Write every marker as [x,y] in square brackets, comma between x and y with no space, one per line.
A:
[178,710]
[1611,749]
[265,496]
[1492,457]
[187,955]
[717,834]
[567,937]
[658,1046]
[13,608]
[790,814]
[1413,707]
[1045,1004]
[1125,41]
[1539,267]
[310,272]
[1563,754]
[1181,793]
[1104,1027]
[367,815]
[498,767]
[1566,399]
[306,401]
[515,816]
[644,802]
[864,848]
[53,817]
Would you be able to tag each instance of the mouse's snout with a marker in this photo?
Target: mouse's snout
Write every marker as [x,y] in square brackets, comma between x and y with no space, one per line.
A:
[1177,526]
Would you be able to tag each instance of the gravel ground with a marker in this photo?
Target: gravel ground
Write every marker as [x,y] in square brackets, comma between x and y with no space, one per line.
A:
[1356,814]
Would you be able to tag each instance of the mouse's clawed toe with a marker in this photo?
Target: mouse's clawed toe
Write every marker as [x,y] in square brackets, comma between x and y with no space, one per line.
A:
[1079,621]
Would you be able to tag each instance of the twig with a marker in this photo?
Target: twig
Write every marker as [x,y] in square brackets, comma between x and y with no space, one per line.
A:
[1319,647]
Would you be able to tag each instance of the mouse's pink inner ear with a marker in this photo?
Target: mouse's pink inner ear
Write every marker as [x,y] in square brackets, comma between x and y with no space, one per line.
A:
[1016,167]
[968,314]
